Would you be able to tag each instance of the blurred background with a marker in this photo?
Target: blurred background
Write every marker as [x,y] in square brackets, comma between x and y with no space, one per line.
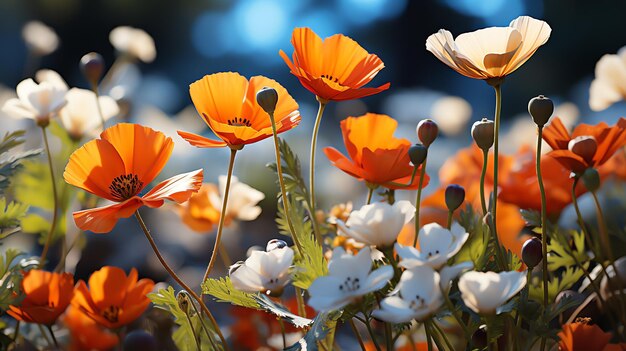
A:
[195,38]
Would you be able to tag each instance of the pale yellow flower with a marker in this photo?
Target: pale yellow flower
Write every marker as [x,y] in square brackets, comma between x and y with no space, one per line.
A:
[134,42]
[609,85]
[493,52]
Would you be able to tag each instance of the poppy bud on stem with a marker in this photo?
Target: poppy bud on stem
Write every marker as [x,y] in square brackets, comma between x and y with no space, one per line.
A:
[267,98]
[540,109]
[92,67]
[454,197]
[427,131]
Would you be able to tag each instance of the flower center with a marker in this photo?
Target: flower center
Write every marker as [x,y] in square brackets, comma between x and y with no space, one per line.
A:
[417,303]
[350,285]
[331,78]
[430,254]
[239,122]
[125,186]
[111,314]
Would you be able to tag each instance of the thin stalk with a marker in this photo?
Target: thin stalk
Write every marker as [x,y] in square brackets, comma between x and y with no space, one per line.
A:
[371,332]
[17,331]
[418,200]
[604,232]
[450,306]
[282,332]
[45,335]
[316,127]
[204,328]
[54,339]
[496,133]
[370,192]
[449,223]
[94,88]
[483,202]
[53,225]
[388,336]
[443,336]
[544,221]
[429,338]
[220,227]
[428,325]
[193,332]
[180,282]
[581,221]
[356,333]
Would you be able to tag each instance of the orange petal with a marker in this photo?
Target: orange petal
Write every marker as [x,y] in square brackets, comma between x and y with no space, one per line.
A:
[143,150]
[107,287]
[286,107]
[359,93]
[556,135]
[93,166]
[178,188]
[569,160]
[219,96]
[103,219]
[343,163]
[200,141]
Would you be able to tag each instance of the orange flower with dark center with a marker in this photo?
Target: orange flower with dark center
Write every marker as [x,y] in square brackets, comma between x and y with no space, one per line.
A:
[375,155]
[47,295]
[227,103]
[87,334]
[585,337]
[587,146]
[118,166]
[113,299]
[336,68]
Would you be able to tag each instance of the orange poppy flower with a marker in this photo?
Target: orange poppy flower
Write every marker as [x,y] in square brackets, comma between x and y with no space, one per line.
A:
[376,156]
[584,337]
[607,141]
[227,102]
[113,299]
[334,69]
[118,166]
[86,334]
[47,295]
[199,212]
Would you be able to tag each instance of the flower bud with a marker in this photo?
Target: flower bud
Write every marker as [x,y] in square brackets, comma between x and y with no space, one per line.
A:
[483,133]
[140,340]
[182,298]
[427,131]
[591,179]
[92,67]
[532,252]
[540,109]
[584,146]
[455,195]
[275,244]
[417,154]
[479,338]
[267,98]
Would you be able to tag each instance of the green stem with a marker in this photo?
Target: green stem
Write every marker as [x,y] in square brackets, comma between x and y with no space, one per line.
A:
[53,225]
[429,338]
[428,325]
[450,306]
[388,336]
[282,332]
[94,88]
[180,282]
[204,328]
[54,339]
[357,334]
[45,335]
[418,201]
[220,226]
[483,202]
[581,221]
[442,335]
[544,221]
[193,332]
[604,232]
[318,120]
[449,223]
[370,192]
[371,332]
[496,133]
[17,331]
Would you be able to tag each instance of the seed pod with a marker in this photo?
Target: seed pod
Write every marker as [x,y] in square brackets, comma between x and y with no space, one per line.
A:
[427,131]
[455,195]
[532,252]
[417,154]
[591,179]
[182,298]
[540,109]
[267,98]
[92,67]
[483,133]
[584,146]
[275,244]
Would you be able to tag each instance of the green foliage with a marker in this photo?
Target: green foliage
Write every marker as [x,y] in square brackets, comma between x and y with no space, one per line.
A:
[556,284]
[322,325]
[10,160]
[222,290]
[478,247]
[10,216]
[36,224]
[563,254]
[183,337]
[11,277]
[292,174]
[281,311]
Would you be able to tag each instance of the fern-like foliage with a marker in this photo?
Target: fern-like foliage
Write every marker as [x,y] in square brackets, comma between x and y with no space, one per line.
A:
[10,159]
[222,290]
[11,277]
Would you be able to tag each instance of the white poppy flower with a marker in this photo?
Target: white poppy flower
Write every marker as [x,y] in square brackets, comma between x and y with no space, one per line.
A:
[377,224]
[40,39]
[80,116]
[134,42]
[349,277]
[484,292]
[419,296]
[266,272]
[437,245]
[449,273]
[36,101]
[609,85]
[242,200]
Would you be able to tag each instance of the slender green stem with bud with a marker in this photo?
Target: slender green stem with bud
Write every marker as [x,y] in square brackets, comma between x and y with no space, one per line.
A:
[418,200]
[494,216]
[483,173]
[316,128]
[55,198]
[543,224]
[357,334]
[370,192]
[94,88]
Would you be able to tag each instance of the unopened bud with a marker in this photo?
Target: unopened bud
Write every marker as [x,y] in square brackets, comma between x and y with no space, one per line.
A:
[483,133]
[479,338]
[427,131]
[591,179]
[540,109]
[455,195]
[417,154]
[92,67]
[275,244]
[532,252]
[584,146]
[267,98]
[183,300]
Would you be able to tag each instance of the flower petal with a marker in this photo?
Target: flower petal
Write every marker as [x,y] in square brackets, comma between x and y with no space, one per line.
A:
[103,219]
[178,188]
[200,141]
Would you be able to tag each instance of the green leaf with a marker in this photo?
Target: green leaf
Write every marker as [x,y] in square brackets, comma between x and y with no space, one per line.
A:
[11,214]
[11,277]
[477,246]
[567,279]
[562,253]
[183,337]
[281,311]
[222,290]
[9,159]
[36,224]
[320,328]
